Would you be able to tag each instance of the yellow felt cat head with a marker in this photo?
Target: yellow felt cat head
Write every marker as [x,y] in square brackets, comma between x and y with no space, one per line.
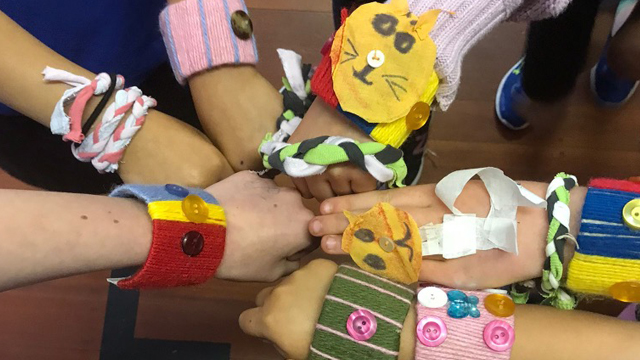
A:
[385,241]
[382,58]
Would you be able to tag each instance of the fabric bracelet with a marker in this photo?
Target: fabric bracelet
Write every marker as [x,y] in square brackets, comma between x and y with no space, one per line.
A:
[607,261]
[453,325]
[313,156]
[203,34]
[189,229]
[101,105]
[362,317]
[559,216]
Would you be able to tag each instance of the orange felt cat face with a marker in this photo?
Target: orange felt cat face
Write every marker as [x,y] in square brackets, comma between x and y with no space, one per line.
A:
[385,241]
[382,58]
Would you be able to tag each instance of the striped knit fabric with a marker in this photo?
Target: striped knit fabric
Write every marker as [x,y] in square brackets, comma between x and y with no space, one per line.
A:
[354,289]
[198,36]
[464,336]
[609,251]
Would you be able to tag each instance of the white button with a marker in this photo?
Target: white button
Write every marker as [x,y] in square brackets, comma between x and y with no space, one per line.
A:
[375,58]
[432,297]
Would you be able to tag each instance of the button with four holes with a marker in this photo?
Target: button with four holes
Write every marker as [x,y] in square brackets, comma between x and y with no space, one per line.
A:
[499,305]
[195,209]
[362,325]
[499,335]
[386,244]
[431,331]
[241,24]
[375,59]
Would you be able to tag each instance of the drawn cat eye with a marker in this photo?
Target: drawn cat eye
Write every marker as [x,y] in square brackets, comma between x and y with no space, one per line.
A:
[404,42]
[375,262]
[385,24]
[365,235]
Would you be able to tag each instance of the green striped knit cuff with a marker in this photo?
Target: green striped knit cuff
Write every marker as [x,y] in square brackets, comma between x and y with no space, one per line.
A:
[386,304]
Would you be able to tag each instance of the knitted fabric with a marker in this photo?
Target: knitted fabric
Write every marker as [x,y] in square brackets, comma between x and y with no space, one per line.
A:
[472,20]
[312,157]
[559,219]
[609,251]
[464,336]
[198,36]
[167,264]
[354,289]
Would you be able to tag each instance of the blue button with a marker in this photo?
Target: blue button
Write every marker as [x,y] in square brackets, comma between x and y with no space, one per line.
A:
[176,190]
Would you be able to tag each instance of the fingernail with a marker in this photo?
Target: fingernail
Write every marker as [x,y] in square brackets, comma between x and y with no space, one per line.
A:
[326,208]
[331,243]
[316,227]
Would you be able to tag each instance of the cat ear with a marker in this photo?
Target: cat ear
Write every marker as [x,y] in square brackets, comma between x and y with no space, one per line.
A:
[350,216]
[427,21]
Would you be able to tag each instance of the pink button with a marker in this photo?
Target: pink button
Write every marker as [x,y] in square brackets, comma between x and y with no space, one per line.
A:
[499,335]
[431,331]
[361,325]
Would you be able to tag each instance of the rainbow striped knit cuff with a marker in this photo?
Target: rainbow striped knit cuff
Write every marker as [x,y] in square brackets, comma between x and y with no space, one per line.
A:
[362,317]
[202,34]
[609,250]
[189,230]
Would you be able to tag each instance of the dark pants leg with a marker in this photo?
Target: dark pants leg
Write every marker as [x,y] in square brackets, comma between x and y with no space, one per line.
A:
[30,153]
[556,51]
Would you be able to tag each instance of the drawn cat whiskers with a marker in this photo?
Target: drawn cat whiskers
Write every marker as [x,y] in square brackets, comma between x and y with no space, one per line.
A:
[393,84]
[352,55]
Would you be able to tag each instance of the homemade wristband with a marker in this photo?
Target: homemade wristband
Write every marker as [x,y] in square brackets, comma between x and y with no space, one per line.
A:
[313,156]
[559,216]
[453,325]
[607,261]
[362,317]
[203,34]
[189,229]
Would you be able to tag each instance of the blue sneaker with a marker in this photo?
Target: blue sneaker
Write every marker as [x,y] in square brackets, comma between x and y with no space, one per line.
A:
[608,87]
[510,92]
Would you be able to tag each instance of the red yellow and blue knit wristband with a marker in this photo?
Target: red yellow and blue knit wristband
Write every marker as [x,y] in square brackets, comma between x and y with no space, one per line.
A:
[189,229]
[607,261]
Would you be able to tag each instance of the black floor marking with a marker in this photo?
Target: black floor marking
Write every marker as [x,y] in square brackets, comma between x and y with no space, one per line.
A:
[118,342]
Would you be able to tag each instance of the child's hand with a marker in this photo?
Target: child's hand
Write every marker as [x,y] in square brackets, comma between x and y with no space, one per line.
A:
[340,179]
[286,314]
[485,269]
[266,228]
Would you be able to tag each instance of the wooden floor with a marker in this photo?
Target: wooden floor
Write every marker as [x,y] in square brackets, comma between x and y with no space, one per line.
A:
[63,320]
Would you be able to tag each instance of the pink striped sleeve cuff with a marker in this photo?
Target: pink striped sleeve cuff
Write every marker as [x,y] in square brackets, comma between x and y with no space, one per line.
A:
[198,36]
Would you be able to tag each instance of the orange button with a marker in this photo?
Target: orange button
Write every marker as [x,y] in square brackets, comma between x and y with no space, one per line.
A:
[627,291]
[195,209]
[418,115]
[499,305]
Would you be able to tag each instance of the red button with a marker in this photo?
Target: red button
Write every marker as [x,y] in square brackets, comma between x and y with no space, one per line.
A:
[431,331]
[361,325]
[499,335]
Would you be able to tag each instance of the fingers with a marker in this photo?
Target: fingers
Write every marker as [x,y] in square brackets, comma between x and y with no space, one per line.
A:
[332,244]
[263,295]
[320,187]
[332,224]
[301,185]
[362,182]
[289,266]
[340,185]
[252,322]
[414,196]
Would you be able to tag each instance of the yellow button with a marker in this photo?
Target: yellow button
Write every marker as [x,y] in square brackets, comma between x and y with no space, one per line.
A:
[241,25]
[418,115]
[499,305]
[628,291]
[631,214]
[386,244]
[195,209]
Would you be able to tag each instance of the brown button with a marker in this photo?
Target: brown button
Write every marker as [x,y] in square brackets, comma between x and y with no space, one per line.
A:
[241,25]
[192,243]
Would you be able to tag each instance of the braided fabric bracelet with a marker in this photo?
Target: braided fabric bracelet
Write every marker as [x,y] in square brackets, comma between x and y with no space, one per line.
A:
[70,125]
[559,216]
[312,157]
